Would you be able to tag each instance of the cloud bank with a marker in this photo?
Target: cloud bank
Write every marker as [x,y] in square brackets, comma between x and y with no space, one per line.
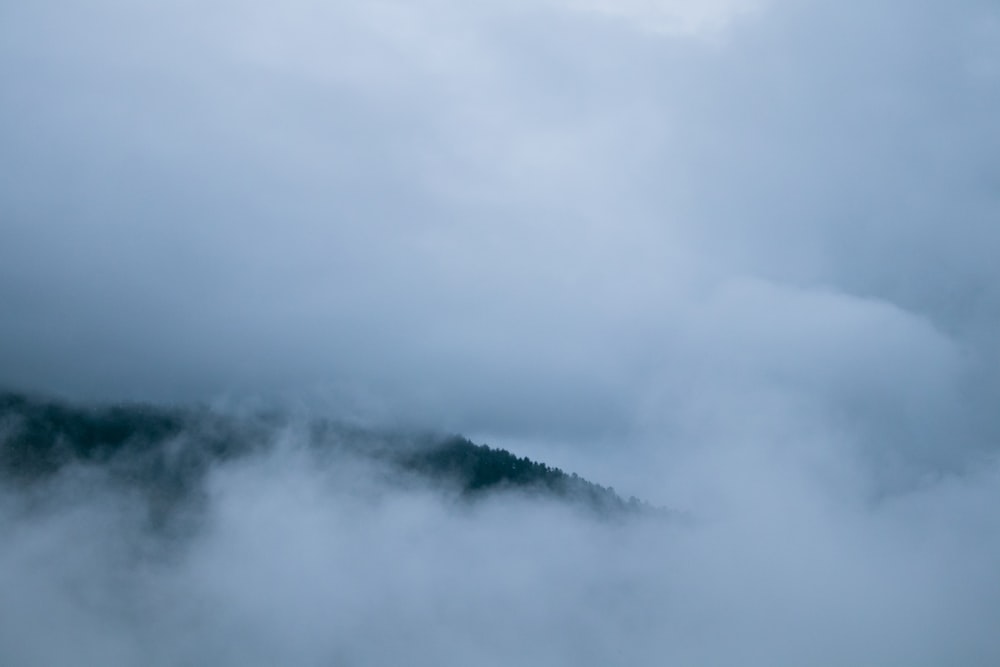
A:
[298,562]
[732,257]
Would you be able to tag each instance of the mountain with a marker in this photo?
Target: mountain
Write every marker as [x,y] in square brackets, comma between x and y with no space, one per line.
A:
[164,453]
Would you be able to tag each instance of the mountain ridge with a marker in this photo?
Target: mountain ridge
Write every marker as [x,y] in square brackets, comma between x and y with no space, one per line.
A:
[166,452]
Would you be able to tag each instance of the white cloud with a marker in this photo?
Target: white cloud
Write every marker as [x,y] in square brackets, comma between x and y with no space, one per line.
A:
[296,561]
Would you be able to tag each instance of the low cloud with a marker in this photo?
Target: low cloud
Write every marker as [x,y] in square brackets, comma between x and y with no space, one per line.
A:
[294,561]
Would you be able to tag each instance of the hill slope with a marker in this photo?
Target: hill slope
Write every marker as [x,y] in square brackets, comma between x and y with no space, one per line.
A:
[165,453]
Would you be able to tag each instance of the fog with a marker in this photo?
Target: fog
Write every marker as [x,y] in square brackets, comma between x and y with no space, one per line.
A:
[295,562]
[737,258]
[292,561]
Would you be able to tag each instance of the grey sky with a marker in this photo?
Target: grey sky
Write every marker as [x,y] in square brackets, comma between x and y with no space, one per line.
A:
[524,219]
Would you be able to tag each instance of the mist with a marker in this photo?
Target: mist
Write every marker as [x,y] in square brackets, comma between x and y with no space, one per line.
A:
[736,258]
[294,558]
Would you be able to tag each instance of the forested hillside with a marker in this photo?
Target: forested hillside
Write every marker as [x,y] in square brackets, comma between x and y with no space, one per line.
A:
[164,453]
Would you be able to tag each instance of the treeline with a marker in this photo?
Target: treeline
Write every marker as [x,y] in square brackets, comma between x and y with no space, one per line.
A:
[480,468]
[164,453]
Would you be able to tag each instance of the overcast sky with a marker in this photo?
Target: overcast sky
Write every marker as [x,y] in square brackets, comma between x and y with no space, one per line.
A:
[556,221]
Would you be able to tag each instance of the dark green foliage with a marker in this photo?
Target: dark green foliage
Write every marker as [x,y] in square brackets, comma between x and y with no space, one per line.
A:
[479,468]
[158,453]
[39,437]
[165,453]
